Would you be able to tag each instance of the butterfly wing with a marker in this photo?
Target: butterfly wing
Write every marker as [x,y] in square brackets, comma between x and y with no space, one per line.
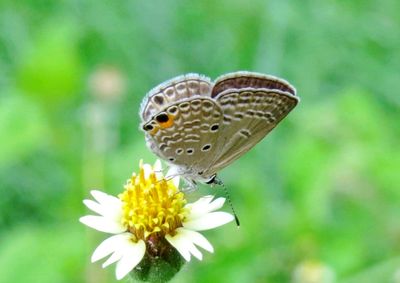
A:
[173,91]
[162,102]
[202,127]
[250,111]
[243,79]
[185,133]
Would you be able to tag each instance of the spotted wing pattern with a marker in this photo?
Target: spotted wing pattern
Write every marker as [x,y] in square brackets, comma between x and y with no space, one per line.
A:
[203,127]
[248,116]
[172,91]
[185,133]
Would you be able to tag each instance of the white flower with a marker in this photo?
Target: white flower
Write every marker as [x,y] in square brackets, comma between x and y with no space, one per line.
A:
[149,210]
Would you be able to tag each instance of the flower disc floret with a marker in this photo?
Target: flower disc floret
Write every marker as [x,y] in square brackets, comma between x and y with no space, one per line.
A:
[151,205]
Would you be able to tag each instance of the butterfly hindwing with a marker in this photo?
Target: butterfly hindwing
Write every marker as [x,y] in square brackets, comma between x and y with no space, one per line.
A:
[185,133]
[172,91]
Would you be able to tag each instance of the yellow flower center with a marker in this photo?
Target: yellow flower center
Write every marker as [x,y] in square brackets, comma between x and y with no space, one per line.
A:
[151,206]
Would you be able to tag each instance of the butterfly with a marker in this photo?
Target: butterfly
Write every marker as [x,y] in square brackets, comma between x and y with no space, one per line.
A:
[199,126]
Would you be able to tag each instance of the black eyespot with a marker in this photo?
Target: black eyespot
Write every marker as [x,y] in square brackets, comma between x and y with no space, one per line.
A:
[162,118]
[206,147]
[148,127]
[201,173]
[190,151]
[179,151]
[171,159]
[158,99]
[172,109]
[214,127]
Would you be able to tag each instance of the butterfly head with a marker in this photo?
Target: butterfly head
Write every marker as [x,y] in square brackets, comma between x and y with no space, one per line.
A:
[214,180]
[192,177]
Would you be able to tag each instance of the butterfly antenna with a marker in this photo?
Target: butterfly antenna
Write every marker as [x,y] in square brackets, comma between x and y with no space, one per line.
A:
[219,182]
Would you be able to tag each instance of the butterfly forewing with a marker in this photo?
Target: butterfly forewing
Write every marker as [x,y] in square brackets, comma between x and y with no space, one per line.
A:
[248,116]
[242,79]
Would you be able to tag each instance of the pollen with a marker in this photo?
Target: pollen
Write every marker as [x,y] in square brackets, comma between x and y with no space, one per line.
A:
[151,205]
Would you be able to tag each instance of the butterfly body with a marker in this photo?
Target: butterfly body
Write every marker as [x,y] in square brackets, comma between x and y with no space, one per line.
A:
[200,126]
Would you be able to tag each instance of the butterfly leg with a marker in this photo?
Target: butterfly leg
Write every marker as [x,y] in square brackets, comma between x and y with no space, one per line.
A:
[191,185]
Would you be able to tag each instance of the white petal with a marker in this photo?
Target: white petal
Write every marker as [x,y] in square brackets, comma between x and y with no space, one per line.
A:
[102,224]
[204,206]
[119,249]
[180,244]
[201,202]
[133,254]
[157,167]
[175,181]
[94,206]
[173,171]
[108,246]
[194,251]
[147,170]
[216,204]
[209,221]
[105,199]
[116,256]
[197,239]
[107,205]
[199,207]
[113,214]
[184,241]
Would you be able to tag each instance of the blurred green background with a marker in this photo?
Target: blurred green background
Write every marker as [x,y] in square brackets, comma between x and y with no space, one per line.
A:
[319,199]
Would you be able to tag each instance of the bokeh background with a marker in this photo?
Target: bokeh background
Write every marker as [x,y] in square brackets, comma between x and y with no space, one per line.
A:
[319,199]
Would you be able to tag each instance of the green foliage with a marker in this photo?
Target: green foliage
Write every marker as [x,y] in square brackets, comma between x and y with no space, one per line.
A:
[23,127]
[44,253]
[321,191]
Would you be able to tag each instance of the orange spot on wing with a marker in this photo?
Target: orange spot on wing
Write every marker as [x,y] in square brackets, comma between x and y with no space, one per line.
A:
[154,131]
[168,123]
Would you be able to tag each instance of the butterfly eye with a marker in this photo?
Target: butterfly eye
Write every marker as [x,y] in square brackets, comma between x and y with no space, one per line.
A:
[212,179]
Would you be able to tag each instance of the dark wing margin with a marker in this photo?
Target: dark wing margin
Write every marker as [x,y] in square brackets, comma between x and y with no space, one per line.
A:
[244,79]
[174,90]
